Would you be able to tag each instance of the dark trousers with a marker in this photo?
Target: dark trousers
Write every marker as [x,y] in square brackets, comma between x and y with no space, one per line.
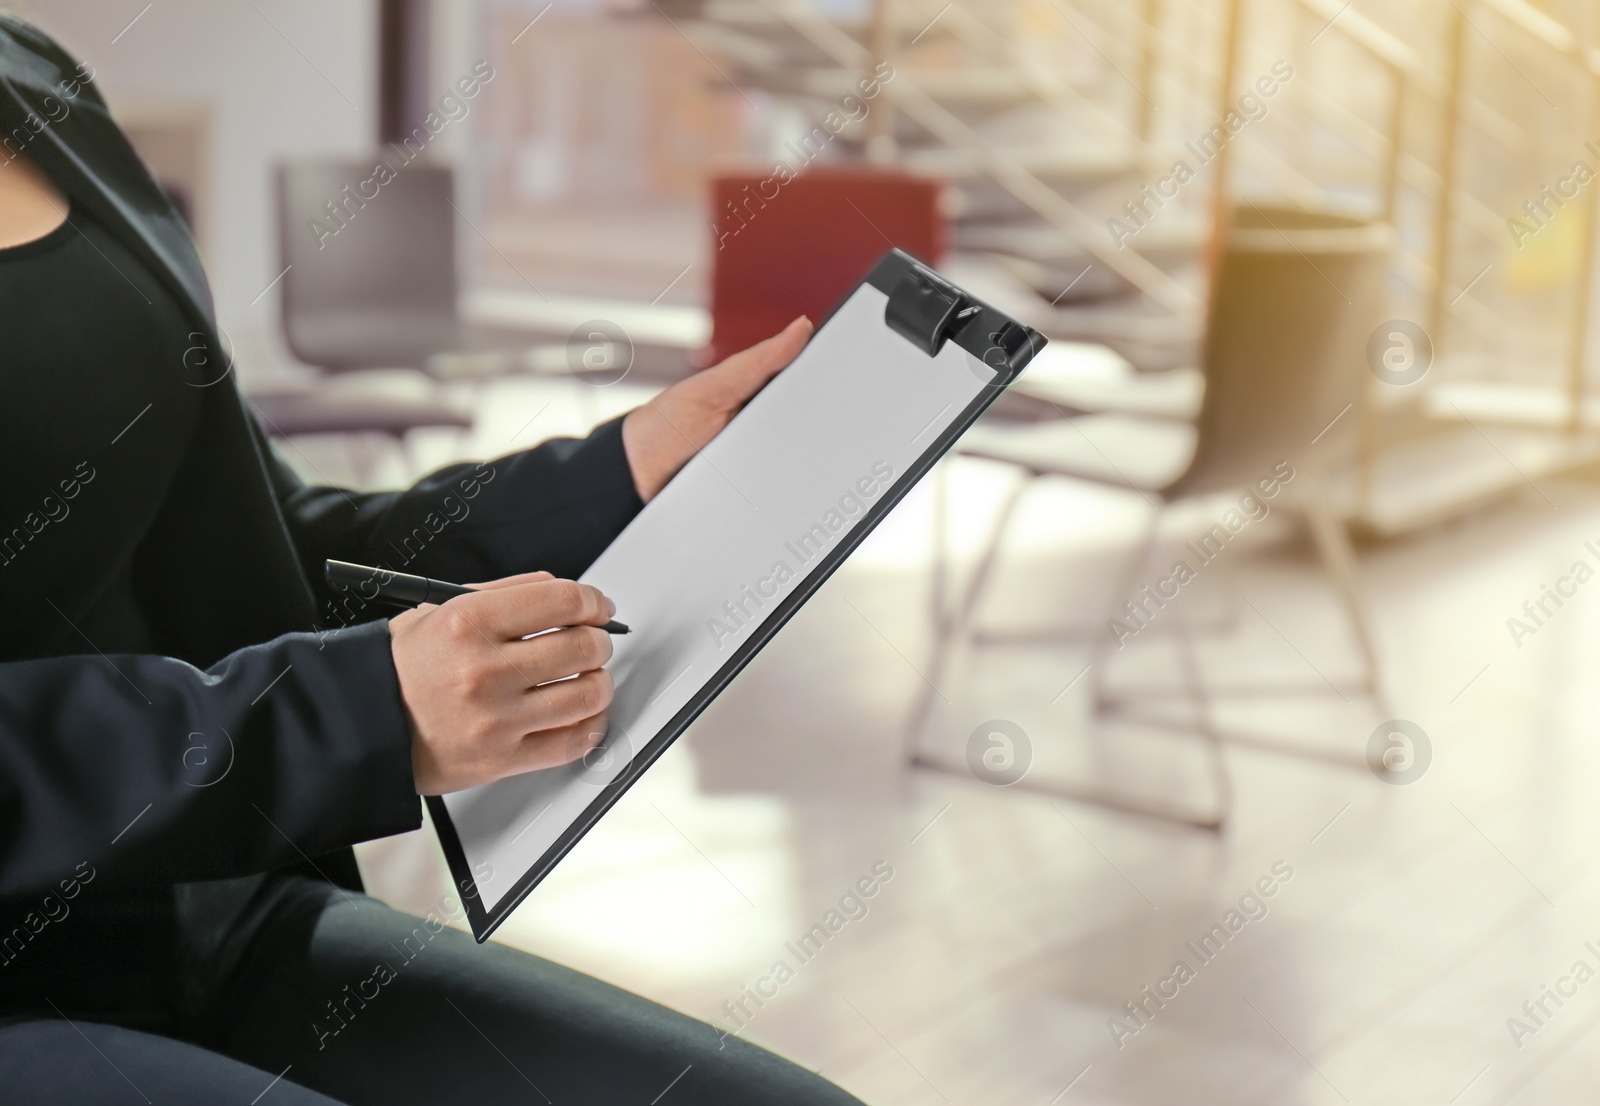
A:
[333,997]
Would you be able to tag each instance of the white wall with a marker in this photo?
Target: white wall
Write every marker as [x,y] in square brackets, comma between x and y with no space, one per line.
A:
[266,98]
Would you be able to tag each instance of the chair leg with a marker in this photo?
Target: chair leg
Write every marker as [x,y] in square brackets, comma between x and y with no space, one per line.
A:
[949,631]
[1100,646]
[948,626]
[408,461]
[1339,559]
[1200,697]
[1234,603]
[363,453]
[1216,760]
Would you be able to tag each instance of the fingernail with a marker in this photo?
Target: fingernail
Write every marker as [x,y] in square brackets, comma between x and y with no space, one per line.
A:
[611,608]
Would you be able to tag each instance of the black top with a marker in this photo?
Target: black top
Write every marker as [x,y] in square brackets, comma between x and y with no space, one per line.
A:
[93,404]
[191,559]
[96,416]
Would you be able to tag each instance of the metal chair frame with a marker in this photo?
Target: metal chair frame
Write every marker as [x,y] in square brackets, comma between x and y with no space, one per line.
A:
[1363,250]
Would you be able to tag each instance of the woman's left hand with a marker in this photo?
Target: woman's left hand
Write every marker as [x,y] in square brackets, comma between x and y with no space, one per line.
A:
[660,437]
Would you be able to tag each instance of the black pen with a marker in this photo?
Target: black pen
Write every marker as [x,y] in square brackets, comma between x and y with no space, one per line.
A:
[405,589]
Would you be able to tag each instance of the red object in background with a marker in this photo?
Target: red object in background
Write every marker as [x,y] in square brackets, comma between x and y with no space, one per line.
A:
[783,250]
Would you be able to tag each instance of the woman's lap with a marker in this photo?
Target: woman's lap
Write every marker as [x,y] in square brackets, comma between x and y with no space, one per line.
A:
[369,1005]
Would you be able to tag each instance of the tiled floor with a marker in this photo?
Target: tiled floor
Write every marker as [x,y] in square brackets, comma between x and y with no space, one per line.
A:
[1417,919]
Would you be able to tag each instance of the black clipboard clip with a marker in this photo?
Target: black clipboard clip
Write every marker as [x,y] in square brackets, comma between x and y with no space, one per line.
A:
[926,309]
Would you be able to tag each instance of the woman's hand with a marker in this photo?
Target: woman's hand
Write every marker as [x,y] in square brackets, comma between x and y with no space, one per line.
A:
[660,437]
[481,700]
[485,704]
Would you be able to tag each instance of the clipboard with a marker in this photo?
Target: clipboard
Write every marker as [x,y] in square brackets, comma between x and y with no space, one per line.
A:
[738,540]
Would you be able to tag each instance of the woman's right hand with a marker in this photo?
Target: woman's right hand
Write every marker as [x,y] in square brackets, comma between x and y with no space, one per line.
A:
[484,703]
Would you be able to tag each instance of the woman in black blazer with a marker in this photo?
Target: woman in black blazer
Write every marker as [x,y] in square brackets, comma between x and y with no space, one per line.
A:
[190,740]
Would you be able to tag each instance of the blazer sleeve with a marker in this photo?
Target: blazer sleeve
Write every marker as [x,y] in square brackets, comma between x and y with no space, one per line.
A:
[554,508]
[152,771]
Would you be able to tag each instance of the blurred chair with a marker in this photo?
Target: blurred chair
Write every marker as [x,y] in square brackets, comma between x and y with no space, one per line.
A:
[368,284]
[1295,297]
[782,250]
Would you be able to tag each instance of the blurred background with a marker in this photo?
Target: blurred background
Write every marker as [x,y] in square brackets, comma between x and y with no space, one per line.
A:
[1249,633]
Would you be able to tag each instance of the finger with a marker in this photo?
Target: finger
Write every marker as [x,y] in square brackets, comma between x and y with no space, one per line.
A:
[557,655]
[510,581]
[561,745]
[568,701]
[516,610]
[753,367]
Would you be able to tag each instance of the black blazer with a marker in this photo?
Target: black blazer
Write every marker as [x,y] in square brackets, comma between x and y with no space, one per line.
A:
[305,742]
